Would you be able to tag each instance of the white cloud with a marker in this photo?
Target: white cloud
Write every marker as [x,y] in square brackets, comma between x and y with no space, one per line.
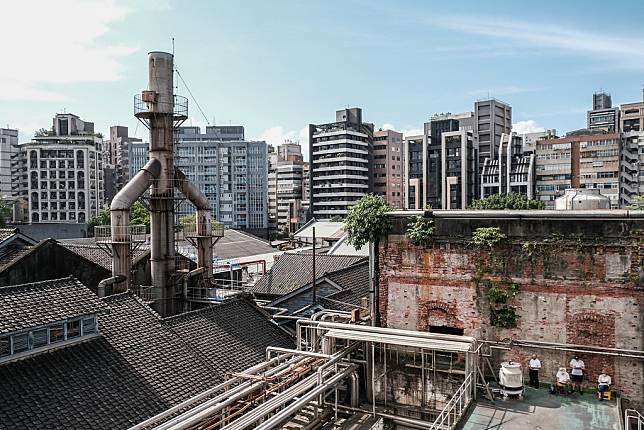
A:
[60,45]
[404,131]
[277,135]
[387,126]
[528,126]
[627,50]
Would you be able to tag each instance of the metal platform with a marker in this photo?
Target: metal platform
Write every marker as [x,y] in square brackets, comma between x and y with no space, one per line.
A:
[144,110]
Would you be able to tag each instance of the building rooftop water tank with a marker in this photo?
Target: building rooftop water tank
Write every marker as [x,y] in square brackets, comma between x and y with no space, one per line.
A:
[582,199]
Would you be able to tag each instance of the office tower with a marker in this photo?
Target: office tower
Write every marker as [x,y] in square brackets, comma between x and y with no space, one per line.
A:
[631,117]
[64,181]
[433,178]
[230,171]
[492,118]
[530,139]
[285,178]
[116,160]
[341,163]
[8,150]
[511,172]
[389,167]
[579,160]
[459,160]
[603,116]
[414,171]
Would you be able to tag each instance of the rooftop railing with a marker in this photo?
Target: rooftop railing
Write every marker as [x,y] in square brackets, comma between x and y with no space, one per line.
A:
[121,234]
[194,229]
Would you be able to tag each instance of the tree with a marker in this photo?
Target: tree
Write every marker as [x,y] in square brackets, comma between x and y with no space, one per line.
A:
[336,218]
[637,203]
[5,212]
[43,132]
[139,214]
[513,201]
[366,222]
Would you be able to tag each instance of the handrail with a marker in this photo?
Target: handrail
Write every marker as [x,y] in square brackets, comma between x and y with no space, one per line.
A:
[632,414]
[453,410]
[194,229]
[124,233]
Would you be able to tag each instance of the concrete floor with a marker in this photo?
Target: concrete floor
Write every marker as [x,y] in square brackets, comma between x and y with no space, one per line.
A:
[540,410]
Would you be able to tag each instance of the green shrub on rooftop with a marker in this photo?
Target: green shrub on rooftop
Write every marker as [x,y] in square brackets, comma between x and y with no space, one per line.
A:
[513,201]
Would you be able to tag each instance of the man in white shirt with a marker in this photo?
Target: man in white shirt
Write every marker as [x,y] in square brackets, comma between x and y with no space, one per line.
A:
[577,373]
[533,369]
[563,380]
[603,384]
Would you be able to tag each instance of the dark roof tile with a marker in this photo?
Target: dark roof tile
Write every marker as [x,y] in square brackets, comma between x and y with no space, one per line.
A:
[40,303]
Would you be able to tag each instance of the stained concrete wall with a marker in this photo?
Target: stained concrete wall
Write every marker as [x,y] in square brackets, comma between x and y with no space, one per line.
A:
[584,286]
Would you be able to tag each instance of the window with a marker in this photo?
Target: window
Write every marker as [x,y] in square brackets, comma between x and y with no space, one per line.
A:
[20,342]
[56,333]
[5,346]
[39,338]
[73,329]
[89,325]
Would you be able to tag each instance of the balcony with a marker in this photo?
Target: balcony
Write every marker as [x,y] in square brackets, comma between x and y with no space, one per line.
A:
[122,234]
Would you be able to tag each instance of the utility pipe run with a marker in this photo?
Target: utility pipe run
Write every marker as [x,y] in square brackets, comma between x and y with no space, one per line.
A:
[106,282]
[120,221]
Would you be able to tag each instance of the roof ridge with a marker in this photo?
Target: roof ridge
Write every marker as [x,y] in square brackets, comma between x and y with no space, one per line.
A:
[37,283]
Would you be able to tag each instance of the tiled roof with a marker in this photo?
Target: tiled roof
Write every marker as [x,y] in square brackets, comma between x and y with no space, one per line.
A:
[237,244]
[241,329]
[97,255]
[140,366]
[12,256]
[355,283]
[6,233]
[294,270]
[40,303]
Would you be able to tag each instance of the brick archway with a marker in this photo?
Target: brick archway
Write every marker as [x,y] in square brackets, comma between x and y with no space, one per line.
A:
[437,313]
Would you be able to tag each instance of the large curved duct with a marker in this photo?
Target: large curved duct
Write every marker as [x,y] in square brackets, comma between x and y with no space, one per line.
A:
[203,220]
[120,220]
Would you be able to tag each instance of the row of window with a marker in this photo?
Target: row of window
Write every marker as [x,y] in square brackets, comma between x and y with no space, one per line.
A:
[44,336]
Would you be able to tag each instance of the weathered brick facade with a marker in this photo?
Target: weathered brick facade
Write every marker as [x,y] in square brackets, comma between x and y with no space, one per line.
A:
[579,280]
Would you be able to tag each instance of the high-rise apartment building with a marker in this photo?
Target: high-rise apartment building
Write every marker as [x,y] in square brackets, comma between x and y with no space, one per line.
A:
[434,177]
[492,118]
[230,171]
[341,163]
[414,171]
[389,167]
[64,172]
[512,171]
[8,150]
[603,116]
[631,117]
[285,186]
[579,160]
[116,160]
[459,161]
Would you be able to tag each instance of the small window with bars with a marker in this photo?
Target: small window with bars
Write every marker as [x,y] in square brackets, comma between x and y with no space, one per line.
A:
[56,333]
[73,329]
[5,346]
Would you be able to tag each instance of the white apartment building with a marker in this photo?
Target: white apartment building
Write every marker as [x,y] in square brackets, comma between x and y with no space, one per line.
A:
[64,172]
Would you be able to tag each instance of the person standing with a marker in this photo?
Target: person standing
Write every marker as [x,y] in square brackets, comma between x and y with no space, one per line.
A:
[533,370]
[577,373]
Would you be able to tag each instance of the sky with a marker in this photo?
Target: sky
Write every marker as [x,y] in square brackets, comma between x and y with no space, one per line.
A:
[276,66]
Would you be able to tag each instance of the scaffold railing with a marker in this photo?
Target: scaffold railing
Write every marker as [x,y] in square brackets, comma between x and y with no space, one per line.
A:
[145,106]
[633,420]
[135,233]
[195,229]
[147,293]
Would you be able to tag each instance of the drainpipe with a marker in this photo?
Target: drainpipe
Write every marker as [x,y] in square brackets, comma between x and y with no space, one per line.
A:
[108,281]
[120,221]
[203,221]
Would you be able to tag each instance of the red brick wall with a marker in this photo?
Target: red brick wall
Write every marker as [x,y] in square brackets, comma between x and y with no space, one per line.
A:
[586,294]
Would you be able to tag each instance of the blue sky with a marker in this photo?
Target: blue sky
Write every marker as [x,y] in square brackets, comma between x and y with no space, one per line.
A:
[275,66]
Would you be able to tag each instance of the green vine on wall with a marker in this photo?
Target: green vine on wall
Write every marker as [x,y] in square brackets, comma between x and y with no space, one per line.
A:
[497,292]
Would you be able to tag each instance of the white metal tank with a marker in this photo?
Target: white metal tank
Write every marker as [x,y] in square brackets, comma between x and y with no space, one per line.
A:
[582,199]
[510,375]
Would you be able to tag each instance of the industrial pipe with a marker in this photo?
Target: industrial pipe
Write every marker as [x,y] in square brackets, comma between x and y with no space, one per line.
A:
[108,281]
[120,221]
[277,419]
[203,220]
